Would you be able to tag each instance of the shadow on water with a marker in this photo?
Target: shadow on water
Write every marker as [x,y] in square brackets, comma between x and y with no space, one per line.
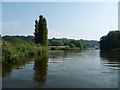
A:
[40,70]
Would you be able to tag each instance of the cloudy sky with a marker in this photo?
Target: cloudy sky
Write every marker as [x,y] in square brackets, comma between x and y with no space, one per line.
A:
[78,20]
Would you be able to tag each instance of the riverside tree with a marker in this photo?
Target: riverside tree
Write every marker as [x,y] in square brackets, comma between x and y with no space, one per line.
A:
[110,41]
[41,31]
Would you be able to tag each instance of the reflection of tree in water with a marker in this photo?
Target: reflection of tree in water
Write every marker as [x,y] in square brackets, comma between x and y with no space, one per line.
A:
[112,66]
[7,67]
[40,67]
[57,54]
[0,68]
[62,53]
[111,56]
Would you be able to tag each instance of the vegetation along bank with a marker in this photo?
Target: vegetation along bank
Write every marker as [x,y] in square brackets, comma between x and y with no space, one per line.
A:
[111,41]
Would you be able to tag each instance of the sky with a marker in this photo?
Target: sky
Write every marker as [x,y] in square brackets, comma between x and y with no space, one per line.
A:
[119,15]
[73,20]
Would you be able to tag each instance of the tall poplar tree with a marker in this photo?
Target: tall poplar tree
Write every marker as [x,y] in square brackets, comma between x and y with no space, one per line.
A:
[41,31]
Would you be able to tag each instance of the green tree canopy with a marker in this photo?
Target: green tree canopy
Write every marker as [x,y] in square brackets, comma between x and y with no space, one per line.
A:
[41,31]
[55,42]
[110,41]
[72,46]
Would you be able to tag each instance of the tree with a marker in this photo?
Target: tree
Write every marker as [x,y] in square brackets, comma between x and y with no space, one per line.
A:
[55,42]
[110,41]
[41,31]
[81,46]
[72,46]
[77,43]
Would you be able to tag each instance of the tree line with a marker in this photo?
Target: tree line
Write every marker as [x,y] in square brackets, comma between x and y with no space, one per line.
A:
[56,41]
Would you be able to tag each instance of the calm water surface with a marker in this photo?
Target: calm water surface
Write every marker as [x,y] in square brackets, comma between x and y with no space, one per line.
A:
[64,69]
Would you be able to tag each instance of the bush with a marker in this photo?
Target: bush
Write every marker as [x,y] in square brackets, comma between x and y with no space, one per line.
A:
[18,48]
[56,43]
[110,41]
[72,46]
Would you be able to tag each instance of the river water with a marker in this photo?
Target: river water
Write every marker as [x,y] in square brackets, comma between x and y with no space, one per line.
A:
[64,69]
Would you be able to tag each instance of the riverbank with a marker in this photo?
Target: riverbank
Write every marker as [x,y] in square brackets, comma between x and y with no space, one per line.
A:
[17,49]
[64,48]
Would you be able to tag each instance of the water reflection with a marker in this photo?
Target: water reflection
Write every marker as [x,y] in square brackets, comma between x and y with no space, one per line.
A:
[58,54]
[7,67]
[78,70]
[40,70]
[55,54]
[111,59]
[110,62]
[111,56]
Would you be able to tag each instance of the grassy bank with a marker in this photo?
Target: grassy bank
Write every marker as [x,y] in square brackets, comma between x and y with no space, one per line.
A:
[18,48]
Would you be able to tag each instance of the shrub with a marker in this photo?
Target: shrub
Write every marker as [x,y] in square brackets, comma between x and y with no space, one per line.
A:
[72,46]
[18,48]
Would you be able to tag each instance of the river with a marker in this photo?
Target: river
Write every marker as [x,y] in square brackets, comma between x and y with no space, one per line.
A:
[64,69]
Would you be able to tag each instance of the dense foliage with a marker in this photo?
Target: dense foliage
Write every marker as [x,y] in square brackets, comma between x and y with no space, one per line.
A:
[82,44]
[111,41]
[41,31]
[55,42]
[25,38]
[16,48]
[58,42]
[72,46]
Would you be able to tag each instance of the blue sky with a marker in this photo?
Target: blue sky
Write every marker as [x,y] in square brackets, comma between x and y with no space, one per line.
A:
[83,20]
